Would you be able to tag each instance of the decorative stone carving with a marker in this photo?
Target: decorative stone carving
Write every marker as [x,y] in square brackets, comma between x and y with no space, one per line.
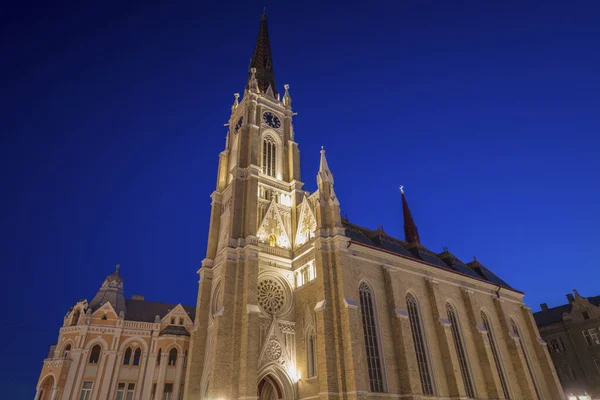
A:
[273,350]
[271,295]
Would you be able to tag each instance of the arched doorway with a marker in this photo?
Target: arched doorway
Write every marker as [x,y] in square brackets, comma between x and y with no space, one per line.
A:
[268,389]
[45,390]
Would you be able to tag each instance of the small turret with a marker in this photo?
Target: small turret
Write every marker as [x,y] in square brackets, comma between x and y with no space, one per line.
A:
[111,291]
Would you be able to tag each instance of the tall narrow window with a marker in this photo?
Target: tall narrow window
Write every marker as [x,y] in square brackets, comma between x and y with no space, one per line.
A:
[371,343]
[516,331]
[269,156]
[86,391]
[130,391]
[495,354]
[127,356]
[95,354]
[310,354]
[67,351]
[75,318]
[158,356]
[136,356]
[168,391]
[172,357]
[460,350]
[120,391]
[420,347]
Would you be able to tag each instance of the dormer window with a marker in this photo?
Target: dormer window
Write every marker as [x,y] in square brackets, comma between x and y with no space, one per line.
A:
[104,317]
[172,321]
[180,321]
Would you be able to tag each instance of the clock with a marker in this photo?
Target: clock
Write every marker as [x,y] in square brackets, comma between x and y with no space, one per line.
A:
[239,124]
[271,119]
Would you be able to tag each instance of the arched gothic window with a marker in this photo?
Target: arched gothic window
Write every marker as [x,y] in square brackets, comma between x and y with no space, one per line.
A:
[75,318]
[269,156]
[159,355]
[460,350]
[416,327]
[95,354]
[136,356]
[127,356]
[369,320]
[311,346]
[172,356]
[516,331]
[67,351]
[495,354]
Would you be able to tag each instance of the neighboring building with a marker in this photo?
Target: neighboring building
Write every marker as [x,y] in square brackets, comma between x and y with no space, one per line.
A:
[296,302]
[572,332]
[117,348]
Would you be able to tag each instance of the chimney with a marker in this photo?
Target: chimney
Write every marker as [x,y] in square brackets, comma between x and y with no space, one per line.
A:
[137,297]
[570,298]
[544,306]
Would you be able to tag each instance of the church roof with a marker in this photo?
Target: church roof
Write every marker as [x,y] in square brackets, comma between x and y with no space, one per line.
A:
[554,315]
[146,311]
[380,240]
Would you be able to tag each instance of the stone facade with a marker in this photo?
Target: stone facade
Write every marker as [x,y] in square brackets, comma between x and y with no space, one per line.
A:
[572,332]
[295,302]
[137,353]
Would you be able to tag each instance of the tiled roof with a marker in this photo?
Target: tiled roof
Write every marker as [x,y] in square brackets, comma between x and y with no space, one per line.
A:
[177,330]
[554,315]
[145,311]
[446,260]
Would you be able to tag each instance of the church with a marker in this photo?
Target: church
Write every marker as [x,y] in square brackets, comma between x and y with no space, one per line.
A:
[297,302]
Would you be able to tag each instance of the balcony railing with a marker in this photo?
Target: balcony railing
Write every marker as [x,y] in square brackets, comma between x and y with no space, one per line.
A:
[57,362]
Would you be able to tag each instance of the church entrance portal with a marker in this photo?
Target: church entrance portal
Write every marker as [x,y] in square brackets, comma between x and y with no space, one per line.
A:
[268,389]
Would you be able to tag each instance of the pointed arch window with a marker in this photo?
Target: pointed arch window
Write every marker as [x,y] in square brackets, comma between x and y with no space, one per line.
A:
[517,332]
[67,351]
[495,354]
[416,327]
[461,353]
[269,156]
[369,320]
[127,356]
[136,356]
[172,357]
[95,354]
[311,345]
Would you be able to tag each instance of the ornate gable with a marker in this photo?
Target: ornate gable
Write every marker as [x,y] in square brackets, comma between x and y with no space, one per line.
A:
[274,348]
[307,224]
[272,230]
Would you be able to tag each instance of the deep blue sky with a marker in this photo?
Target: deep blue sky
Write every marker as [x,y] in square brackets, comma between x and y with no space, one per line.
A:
[112,119]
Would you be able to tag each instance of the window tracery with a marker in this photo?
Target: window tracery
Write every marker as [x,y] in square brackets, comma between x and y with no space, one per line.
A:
[460,350]
[269,156]
[414,316]
[371,338]
[495,354]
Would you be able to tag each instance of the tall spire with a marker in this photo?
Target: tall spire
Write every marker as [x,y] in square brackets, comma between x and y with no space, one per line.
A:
[411,234]
[262,59]
[325,174]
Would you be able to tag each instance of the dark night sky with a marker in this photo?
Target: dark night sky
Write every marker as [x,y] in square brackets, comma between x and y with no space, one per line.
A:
[112,121]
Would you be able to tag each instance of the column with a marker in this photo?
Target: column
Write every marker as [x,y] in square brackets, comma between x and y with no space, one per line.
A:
[525,384]
[117,368]
[38,392]
[456,386]
[151,365]
[177,382]
[160,384]
[485,358]
[81,371]
[75,356]
[54,395]
[408,369]
[108,374]
[554,389]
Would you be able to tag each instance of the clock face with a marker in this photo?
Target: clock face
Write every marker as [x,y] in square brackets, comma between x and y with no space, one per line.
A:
[271,119]
[239,124]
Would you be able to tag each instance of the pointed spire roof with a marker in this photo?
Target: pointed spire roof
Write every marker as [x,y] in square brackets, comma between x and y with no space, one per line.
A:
[262,59]
[325,174]
[411,233]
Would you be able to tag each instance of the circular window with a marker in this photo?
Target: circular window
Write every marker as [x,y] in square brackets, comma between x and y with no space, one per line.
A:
[271,295]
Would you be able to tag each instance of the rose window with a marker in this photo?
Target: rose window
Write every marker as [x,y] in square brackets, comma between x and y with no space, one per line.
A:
[273,350]
[270,296]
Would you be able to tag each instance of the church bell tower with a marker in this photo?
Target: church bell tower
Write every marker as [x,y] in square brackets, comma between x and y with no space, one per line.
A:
[243,344]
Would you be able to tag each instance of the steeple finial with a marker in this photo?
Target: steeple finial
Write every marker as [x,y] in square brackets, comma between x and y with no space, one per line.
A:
[287,99]
[411,233]
[117,267]
[262,59]
[236,102]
